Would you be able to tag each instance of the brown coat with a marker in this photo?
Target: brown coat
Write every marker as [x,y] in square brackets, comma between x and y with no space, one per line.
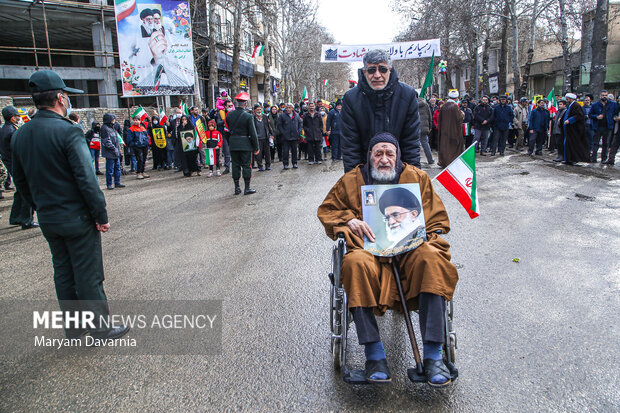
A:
[368,280]
[450,142]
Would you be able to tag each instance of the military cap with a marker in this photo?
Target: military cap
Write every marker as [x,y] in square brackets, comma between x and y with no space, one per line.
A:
[44,80]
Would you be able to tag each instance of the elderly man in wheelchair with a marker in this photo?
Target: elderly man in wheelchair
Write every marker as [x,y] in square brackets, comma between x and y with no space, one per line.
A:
[427,277]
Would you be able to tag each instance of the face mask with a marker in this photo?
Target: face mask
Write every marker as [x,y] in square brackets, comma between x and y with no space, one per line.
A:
[70,107]
[156,122]
[604,99]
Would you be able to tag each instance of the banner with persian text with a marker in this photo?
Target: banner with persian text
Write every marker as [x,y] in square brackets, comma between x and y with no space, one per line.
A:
[397,51]
[155,47]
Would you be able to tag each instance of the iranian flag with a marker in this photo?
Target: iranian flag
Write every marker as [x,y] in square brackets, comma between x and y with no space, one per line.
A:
[184,108]
[304,97]
[140,113]
[210,156]
[258,50]
[466,129]
[553,103]
[124,8]
[325,82]
[459,178]
[162,117]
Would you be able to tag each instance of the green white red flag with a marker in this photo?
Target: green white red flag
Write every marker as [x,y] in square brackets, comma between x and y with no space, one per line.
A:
[258,50]
[162,117]
[184,108]
[304,97]
[459,178]
[124,8]
[325,82]
[553,103]
[140,113]
[210,156]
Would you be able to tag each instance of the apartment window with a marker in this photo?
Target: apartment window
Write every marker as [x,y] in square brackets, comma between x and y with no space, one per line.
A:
[248,42]
[228,32]
[218,26]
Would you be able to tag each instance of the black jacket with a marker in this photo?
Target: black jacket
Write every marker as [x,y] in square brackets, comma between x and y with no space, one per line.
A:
[313,127]
[366,112]
[6,135]
[54,173]
[290,128]
[482,113]
[263,128]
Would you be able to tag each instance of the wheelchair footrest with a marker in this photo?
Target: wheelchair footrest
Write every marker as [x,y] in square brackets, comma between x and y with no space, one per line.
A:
[415,377]
[355,377]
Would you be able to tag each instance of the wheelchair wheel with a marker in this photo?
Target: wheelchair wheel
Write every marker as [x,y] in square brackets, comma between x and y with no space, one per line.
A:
[450,338]
[338,309]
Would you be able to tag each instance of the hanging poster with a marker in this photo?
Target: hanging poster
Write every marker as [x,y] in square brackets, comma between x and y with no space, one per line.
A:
[395,215]
[398,51]
[155,47]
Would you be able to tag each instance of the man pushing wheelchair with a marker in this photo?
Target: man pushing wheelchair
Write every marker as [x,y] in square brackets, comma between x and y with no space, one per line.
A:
[427,277]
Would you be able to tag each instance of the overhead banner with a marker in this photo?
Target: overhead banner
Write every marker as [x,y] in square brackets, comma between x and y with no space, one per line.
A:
[155,47]
[397,51]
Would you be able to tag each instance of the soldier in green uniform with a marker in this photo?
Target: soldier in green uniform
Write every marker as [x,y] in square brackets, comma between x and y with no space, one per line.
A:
[242,142]
[52,169]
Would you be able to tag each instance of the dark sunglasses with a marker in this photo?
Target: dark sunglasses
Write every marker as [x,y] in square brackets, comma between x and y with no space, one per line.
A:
[382,69]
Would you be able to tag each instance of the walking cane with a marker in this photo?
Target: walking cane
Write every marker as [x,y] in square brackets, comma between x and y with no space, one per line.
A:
[414,343]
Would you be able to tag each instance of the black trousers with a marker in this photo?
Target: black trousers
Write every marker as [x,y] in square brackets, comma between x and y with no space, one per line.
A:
[78,265]
[21,213]
[140,154]
[241,160]
[159,157]
[264,154]
[432,314]
[289,146]
[314,151]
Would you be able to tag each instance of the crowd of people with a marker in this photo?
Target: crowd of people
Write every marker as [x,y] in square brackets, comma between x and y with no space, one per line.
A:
[527,126]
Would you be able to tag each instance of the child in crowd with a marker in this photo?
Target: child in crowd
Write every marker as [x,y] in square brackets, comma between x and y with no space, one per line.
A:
[213,143]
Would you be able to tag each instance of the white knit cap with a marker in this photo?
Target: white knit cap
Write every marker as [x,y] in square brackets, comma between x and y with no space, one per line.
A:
[571,95]
[453,94]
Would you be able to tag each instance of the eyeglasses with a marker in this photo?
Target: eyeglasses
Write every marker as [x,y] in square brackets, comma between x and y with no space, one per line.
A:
[372,69]
[395,216]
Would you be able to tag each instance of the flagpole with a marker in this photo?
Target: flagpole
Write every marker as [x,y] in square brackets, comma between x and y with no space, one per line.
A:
[473,144]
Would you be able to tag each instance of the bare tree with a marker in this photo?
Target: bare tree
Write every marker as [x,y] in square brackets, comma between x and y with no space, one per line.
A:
[566,72]
[213,33]
[598,68]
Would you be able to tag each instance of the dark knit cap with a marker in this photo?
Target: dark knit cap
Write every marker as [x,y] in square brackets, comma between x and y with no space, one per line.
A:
[382,137]
[399,197]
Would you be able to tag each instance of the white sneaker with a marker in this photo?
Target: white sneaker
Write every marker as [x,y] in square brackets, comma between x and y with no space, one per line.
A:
[218,173]
[210,174]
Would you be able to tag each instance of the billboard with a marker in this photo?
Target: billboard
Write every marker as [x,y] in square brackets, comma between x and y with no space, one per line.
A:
[155,47]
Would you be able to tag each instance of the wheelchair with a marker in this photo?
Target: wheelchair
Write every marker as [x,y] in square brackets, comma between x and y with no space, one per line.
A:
[341,318]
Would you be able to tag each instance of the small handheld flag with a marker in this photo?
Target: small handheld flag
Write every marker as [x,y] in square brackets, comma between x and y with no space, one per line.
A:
[459,178]
[162,117]
[139,113]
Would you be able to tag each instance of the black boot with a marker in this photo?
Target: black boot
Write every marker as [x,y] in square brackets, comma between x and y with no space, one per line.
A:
[237,187]
[248,190]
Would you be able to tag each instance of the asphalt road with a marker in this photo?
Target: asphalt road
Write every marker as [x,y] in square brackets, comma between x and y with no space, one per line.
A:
[538,335]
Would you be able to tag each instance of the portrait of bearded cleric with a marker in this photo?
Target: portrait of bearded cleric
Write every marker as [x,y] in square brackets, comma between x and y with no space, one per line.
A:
[396,219]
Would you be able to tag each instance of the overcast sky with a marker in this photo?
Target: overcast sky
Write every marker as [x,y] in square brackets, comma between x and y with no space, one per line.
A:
[359,21]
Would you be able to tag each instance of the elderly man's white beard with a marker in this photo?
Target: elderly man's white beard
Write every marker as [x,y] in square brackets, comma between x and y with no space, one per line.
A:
[157,27]
[382,177]
[401,229]
[148,27]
